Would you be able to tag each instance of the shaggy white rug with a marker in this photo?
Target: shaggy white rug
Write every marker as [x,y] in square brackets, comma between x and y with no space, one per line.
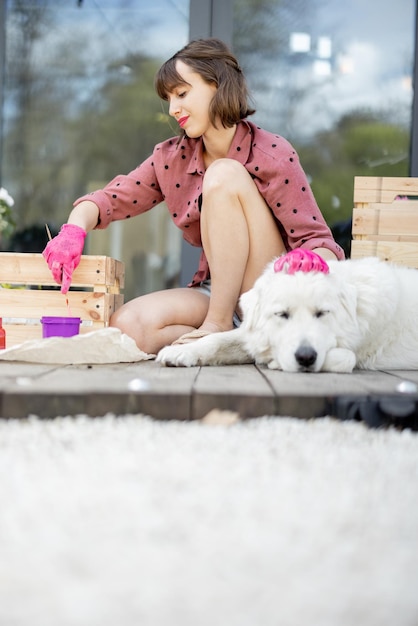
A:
[126,521]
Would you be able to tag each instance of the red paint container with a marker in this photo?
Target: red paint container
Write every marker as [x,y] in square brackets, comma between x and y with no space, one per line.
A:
[2,335]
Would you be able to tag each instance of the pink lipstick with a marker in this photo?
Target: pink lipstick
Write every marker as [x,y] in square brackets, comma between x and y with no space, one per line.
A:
[182,120]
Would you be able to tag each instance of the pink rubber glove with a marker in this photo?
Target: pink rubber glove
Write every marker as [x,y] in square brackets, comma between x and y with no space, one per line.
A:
[300,260]
[63,254]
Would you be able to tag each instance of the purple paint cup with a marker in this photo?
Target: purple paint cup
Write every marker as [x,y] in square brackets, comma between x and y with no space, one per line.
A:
[60,326]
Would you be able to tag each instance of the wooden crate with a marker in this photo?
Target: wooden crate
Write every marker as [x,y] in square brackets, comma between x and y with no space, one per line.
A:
[28,292]
[383,225]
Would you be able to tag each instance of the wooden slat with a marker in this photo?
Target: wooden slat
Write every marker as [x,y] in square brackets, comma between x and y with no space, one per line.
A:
[378,237]
[238,388]
[403,253]
[395,218]
[31,269]
[101,389]
[383,189]
[308,395]
[26,303]
[382,226]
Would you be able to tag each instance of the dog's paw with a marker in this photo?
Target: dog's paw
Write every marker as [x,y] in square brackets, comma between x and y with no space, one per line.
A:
[178,356]
[340,360]
[273,365]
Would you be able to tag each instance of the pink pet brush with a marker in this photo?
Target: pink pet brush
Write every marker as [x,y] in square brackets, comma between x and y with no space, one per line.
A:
[300,260]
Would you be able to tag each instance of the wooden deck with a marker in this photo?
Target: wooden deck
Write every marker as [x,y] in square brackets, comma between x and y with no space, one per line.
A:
[188,393]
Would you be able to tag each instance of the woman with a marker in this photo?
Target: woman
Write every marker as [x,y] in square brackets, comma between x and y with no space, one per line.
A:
[234,189]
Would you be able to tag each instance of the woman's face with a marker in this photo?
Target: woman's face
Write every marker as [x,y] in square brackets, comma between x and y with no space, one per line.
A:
[189,102]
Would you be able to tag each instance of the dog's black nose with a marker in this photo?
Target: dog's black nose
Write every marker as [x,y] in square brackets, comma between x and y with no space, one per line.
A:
[306,356]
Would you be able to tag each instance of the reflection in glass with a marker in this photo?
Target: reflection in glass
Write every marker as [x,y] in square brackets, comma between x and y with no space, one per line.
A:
[335,78]
[80,107]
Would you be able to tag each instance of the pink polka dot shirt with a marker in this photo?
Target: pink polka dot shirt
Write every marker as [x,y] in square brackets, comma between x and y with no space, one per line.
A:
[174,174]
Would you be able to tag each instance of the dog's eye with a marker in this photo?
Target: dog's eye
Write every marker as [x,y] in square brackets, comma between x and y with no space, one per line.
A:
[320,313]
[284,315]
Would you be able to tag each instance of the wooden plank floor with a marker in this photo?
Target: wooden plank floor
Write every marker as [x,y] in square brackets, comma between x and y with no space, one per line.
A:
[183,393]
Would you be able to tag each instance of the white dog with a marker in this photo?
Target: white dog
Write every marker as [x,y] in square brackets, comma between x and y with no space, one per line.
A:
[363,314]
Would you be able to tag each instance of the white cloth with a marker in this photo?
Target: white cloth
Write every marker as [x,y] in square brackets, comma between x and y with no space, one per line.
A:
[107,345]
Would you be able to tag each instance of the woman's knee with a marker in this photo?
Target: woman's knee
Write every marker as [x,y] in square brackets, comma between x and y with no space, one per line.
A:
[130,322]
[121,317]
[226,175]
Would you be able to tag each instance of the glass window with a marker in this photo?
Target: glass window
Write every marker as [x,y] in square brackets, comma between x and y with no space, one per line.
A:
[79,108]
[334,78]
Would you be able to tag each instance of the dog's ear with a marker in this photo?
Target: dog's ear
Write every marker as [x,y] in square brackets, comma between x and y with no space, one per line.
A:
[249,303]
[347,296]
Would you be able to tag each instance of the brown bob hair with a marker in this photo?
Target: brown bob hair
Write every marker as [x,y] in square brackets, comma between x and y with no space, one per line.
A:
[215,63]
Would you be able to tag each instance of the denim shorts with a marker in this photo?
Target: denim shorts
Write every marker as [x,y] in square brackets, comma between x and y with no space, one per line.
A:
[205,287]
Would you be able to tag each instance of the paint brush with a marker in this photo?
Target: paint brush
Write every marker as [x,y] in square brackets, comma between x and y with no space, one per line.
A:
[48,232]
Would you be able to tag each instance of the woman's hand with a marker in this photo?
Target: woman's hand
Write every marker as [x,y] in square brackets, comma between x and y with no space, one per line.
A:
[63,254]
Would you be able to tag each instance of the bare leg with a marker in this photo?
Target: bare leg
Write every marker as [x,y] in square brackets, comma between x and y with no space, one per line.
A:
[239,237]
[157,319]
